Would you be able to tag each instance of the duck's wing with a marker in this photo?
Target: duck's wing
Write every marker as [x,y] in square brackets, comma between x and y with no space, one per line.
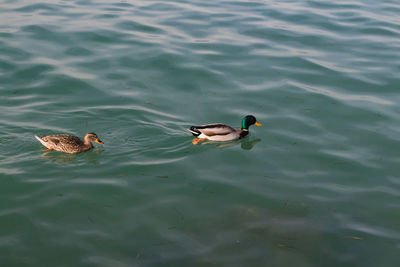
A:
[212,129]
[59,140]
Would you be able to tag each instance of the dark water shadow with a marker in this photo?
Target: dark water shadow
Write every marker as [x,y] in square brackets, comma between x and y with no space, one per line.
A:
[246,143]
[90,157]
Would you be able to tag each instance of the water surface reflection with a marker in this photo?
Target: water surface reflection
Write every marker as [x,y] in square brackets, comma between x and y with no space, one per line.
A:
[90,157]
[246,143]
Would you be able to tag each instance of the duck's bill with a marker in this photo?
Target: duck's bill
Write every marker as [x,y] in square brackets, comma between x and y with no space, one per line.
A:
[258,124]
[99,141]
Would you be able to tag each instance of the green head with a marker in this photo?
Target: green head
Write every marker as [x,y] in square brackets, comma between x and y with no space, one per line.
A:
[249,120]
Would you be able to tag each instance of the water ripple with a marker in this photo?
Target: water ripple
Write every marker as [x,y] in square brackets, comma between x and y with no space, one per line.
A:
[343,96]
[317,185]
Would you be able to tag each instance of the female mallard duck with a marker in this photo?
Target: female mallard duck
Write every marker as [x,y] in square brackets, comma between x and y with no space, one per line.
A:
[68,143]
[222,132]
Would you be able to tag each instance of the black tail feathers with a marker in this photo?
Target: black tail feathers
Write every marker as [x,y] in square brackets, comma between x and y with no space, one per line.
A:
[194,131]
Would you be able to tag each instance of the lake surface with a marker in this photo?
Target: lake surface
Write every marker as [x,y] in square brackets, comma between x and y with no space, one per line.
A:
[318,185]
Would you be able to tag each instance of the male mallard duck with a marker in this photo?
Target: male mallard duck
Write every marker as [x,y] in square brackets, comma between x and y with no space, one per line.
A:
[222,132]
[68,143]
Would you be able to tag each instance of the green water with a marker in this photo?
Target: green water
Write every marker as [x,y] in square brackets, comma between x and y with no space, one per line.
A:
[318,185]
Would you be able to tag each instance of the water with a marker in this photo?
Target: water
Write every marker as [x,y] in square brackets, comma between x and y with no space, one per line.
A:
[318,185]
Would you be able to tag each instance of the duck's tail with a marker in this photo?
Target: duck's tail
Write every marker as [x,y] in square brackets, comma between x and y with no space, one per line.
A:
[194,131]
[40,140]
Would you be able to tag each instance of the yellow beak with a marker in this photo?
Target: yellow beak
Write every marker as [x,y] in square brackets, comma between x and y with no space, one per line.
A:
[258,124]
[99,141]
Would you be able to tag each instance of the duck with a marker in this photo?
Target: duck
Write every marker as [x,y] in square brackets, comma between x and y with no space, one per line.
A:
[68,143]
[221,132]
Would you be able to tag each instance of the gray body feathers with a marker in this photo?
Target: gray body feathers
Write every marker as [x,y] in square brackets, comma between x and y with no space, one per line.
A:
[218,132]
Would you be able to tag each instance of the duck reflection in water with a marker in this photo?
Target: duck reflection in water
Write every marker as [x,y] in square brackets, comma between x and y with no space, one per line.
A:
[90,157]
[246,143]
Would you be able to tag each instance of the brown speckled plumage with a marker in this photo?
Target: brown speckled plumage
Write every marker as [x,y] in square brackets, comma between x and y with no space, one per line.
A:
[69,143]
